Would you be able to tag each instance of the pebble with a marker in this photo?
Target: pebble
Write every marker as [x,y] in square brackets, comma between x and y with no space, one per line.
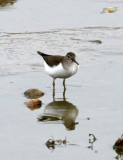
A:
[33,93]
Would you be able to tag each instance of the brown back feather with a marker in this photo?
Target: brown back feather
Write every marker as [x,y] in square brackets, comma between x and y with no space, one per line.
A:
[51,60]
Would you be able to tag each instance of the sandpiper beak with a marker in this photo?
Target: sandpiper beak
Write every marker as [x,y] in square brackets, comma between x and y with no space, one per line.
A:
[75,61]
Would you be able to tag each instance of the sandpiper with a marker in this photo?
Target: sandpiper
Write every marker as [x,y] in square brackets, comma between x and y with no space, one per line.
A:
[60,66]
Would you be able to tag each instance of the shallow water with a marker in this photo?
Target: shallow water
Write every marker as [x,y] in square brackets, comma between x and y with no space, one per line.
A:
[93,98]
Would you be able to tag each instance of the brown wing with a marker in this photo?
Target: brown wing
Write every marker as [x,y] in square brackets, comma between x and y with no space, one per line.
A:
[51,60]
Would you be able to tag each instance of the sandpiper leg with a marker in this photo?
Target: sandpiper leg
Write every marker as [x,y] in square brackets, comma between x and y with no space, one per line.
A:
[64,82]
[53,94]
[53,82]
[53,89]
[64,90]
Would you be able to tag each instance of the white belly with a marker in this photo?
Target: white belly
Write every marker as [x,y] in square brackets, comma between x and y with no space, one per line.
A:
[59,71]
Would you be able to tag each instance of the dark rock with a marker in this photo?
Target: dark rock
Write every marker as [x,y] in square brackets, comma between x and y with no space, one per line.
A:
[118,146]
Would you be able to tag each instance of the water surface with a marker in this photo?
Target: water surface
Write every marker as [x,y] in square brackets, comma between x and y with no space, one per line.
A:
[93,98]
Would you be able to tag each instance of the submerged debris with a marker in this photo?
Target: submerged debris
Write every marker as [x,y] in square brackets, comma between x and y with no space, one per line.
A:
[118,146]
[51,143]
[91,141]
[33,93]
[33,104]
[109,10]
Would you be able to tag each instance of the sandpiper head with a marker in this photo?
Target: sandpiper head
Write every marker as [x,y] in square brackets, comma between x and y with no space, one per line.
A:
[71,56]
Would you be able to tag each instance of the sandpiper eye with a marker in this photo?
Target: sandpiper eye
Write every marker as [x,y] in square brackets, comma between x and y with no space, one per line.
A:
[69,56]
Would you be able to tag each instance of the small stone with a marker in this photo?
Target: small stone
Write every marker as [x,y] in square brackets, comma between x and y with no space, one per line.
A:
[33,104]
[88,118]
[33,93]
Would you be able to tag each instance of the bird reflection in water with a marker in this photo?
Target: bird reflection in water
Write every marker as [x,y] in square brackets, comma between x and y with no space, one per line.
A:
[60,111]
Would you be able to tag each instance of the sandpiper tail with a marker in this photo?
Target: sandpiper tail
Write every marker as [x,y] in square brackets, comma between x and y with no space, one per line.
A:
[42,54]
